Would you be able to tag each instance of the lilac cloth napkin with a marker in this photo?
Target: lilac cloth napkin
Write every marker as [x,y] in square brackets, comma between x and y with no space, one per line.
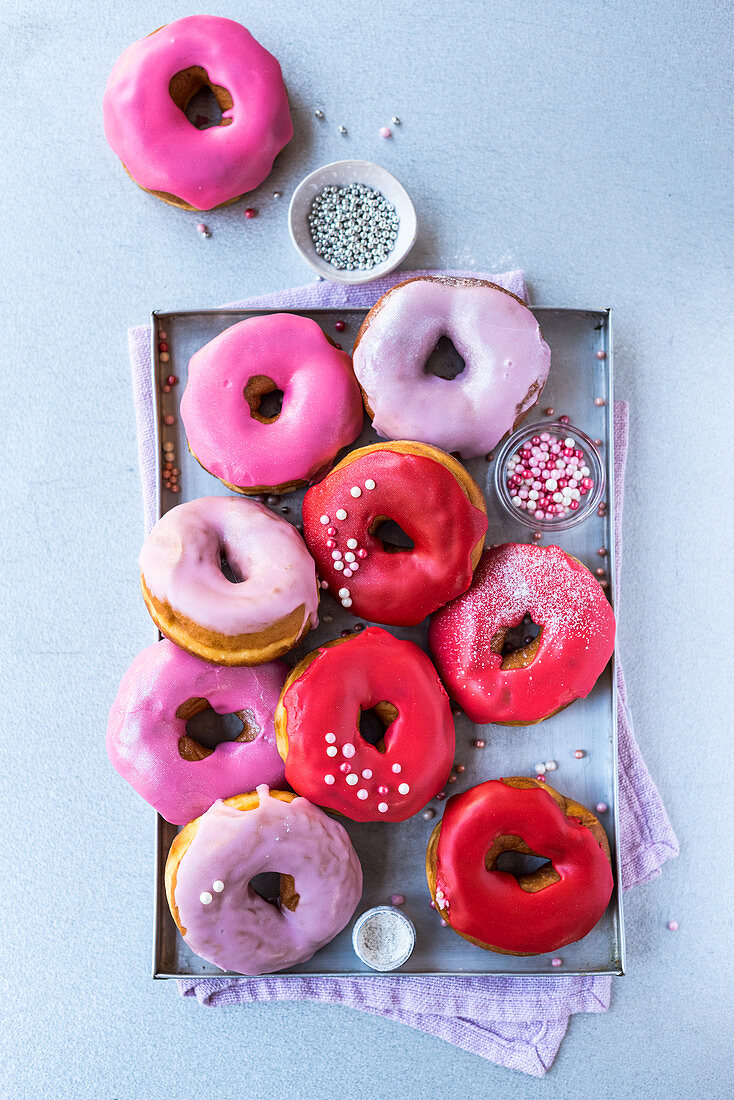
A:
[515,1022]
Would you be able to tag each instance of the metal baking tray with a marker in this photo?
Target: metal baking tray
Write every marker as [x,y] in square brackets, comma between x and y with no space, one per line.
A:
[393,855]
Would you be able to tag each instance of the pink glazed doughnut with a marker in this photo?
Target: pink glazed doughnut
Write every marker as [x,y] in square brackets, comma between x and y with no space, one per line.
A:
[148,91]
[321,410]
[147,740]
[214,859]
[506,363]
[255,611]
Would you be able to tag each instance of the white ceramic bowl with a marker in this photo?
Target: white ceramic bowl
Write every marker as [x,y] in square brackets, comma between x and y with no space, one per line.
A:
[340,174]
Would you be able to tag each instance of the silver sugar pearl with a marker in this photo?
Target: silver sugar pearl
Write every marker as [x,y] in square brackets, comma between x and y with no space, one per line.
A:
[395,120]
[318,113]
[342,130]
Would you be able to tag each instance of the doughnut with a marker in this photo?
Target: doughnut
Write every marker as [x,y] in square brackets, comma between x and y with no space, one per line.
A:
[149,746]
[213,860]
[532,913]
[317,724]
[150,88]
[435,502]
[321,410]
[505,357]
[259,614]
[561,664]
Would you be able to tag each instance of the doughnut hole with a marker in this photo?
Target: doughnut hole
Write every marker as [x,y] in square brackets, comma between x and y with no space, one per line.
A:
[519,644]
[393,538]
[276,889]
[264,398]
[228,568]
[511,855]
[206,728]
[193,93]
[372,723]
[444,361]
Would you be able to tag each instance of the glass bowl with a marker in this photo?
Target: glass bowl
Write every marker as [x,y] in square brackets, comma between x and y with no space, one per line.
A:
[536,443]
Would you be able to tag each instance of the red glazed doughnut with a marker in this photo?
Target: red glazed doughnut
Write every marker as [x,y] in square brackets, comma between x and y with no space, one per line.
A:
[555,905]
[563,663]
[436,503]
[318,732]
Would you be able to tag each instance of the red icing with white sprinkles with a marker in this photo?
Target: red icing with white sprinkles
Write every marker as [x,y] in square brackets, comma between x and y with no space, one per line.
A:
[576,641]
[400,588]
[330,763]
[491,906]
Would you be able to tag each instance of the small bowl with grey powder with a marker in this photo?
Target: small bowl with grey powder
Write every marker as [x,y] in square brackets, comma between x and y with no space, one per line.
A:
[383,938]
[352,221]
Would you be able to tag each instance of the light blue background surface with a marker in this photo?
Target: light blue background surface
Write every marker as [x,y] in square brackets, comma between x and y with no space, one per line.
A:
[585,142]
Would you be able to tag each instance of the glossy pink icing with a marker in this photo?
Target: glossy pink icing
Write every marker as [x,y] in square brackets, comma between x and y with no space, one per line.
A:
[237,930]
[158,145]
[180,560]
[321,412]
[506,357]
[576,641]
[143,730]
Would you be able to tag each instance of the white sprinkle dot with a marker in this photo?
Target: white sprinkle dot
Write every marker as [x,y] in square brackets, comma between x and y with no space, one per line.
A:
[382,807]
[352,544]
[352,779]
[540,769]
[336,555]
[551,484]
[346,603]
[354,566]
[330,738]
[570,442]
[403,788]
[218,886]
[341,513]
[362,793]
[343,592]
[355,491]
[325,520]
[206,898]
[338,565]
[332,750]
[550,765]
[397,768]
[328,779]
[349,556]
[367,773]
[369,483]
[348,750]
[347,572]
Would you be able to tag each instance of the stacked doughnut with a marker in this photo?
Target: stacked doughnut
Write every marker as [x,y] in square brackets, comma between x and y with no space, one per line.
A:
[233,588]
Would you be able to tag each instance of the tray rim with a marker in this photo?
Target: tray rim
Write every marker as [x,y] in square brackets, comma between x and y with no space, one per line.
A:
[157,973]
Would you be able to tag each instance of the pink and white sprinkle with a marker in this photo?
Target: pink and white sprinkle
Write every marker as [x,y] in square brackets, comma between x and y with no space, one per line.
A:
[548,476]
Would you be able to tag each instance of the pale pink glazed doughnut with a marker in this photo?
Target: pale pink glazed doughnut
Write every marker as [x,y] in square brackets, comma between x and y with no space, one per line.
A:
[506,363]
[145,124]
[147,740]
[214,859]
[255,617]
[321,410]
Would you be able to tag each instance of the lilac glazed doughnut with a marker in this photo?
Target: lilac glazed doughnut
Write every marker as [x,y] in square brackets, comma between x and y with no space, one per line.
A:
[147,94]
[220,407]
[506,363]
[258,615]
[214,858]
[147,740]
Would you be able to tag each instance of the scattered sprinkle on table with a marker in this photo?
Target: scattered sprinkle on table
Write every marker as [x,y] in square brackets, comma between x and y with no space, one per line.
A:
[353,228]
